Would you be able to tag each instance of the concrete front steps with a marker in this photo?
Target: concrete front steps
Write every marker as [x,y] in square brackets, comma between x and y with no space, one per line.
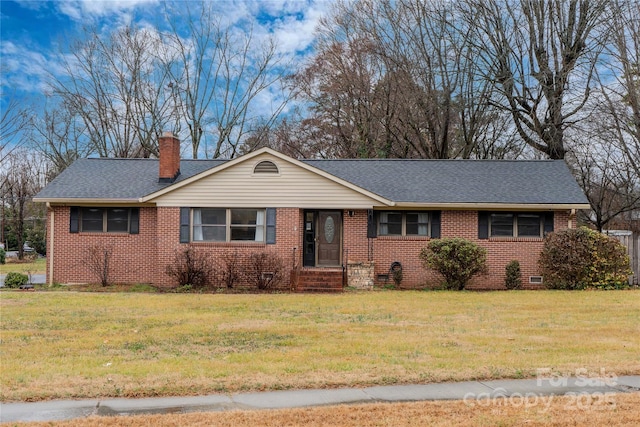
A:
[324,280]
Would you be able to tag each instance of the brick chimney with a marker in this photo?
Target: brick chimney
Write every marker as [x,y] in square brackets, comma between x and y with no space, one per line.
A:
[169,156]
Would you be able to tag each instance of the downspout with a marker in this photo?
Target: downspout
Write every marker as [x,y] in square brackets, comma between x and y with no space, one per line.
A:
[572,215]
[50,251]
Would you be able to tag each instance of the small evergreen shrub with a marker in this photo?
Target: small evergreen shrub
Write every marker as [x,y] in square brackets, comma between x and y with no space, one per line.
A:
[513,276]
[583,258]
[456,259]
[3,256]
[14,280]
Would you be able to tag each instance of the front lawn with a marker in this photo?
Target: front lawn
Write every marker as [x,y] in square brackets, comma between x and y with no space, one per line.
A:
[37,266]
[78,345]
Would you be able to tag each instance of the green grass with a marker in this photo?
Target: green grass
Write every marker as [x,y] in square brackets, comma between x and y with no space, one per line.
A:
[73,345]
[38,266]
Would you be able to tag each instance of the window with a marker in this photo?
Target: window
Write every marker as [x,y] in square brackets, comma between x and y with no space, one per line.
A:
[104,220]
[403,223]
[224,225]
[526,224]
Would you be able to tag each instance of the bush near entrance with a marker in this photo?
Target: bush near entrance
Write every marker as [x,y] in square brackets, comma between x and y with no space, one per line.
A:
[458,260]
[583,258]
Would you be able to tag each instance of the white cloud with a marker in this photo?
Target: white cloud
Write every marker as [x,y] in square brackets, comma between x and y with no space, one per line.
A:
[296,35]
[87,11]
[23,69]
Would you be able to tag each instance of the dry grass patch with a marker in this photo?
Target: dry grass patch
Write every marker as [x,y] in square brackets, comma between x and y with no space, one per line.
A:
[612,410]
[80,345]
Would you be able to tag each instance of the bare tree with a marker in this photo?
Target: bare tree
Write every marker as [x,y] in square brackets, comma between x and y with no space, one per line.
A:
[611,187]
[219,75]
[116,87]
[14,123]
[60,135]
[21,177]
[619,109]
[399,79]
[540,55]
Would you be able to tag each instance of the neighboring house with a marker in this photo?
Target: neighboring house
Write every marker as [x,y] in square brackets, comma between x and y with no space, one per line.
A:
[319,216]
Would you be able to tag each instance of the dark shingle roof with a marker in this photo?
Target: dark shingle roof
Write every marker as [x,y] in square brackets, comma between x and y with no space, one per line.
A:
[116,178]
[460,181]
[408,181]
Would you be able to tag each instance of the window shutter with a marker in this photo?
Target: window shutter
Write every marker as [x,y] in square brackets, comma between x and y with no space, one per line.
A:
[435,224]
[185,216]
[134,225]
[74,220]
[372,229]
[483,225]
[548,223]
[271,226]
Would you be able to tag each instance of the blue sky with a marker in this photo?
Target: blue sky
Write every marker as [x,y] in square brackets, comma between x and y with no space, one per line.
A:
[34,34]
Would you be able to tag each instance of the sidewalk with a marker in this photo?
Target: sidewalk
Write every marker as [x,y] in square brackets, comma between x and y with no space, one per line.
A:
[471,390]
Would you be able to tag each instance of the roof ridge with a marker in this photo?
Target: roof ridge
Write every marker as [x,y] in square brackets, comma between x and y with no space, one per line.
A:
[116,158]
[435,160]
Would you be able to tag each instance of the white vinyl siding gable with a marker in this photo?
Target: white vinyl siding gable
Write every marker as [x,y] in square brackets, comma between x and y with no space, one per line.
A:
[240,187]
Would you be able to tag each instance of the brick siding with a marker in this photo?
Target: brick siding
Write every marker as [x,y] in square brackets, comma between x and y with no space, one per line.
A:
[389,249]
[143,257]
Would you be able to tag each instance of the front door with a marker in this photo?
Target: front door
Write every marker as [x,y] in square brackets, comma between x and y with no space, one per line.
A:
[329,238]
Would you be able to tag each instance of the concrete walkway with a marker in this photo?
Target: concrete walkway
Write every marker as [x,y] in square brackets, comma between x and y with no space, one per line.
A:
[468,391]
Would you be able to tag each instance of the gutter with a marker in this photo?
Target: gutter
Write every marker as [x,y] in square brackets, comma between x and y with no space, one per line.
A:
[92,202]
[495,206]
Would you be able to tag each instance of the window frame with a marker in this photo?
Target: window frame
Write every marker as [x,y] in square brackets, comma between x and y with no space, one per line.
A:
[403,223]
[104,213]
[229,226]
[515,226]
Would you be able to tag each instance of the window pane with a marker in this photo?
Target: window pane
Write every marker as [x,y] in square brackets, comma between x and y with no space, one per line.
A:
[210,233]
[118,220]
[529,225]
[417,223]
[501,224]
[243,233]
[92,219]
[391,223]
[210,216]
[244,216]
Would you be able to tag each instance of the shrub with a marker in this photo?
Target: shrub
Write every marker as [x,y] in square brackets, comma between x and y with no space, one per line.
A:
[98,263]
[14,280]
[190,268]
[456,259]
[513,276]
[228,269]
[582,258]
[396,274]
[3,256]
[265,270]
